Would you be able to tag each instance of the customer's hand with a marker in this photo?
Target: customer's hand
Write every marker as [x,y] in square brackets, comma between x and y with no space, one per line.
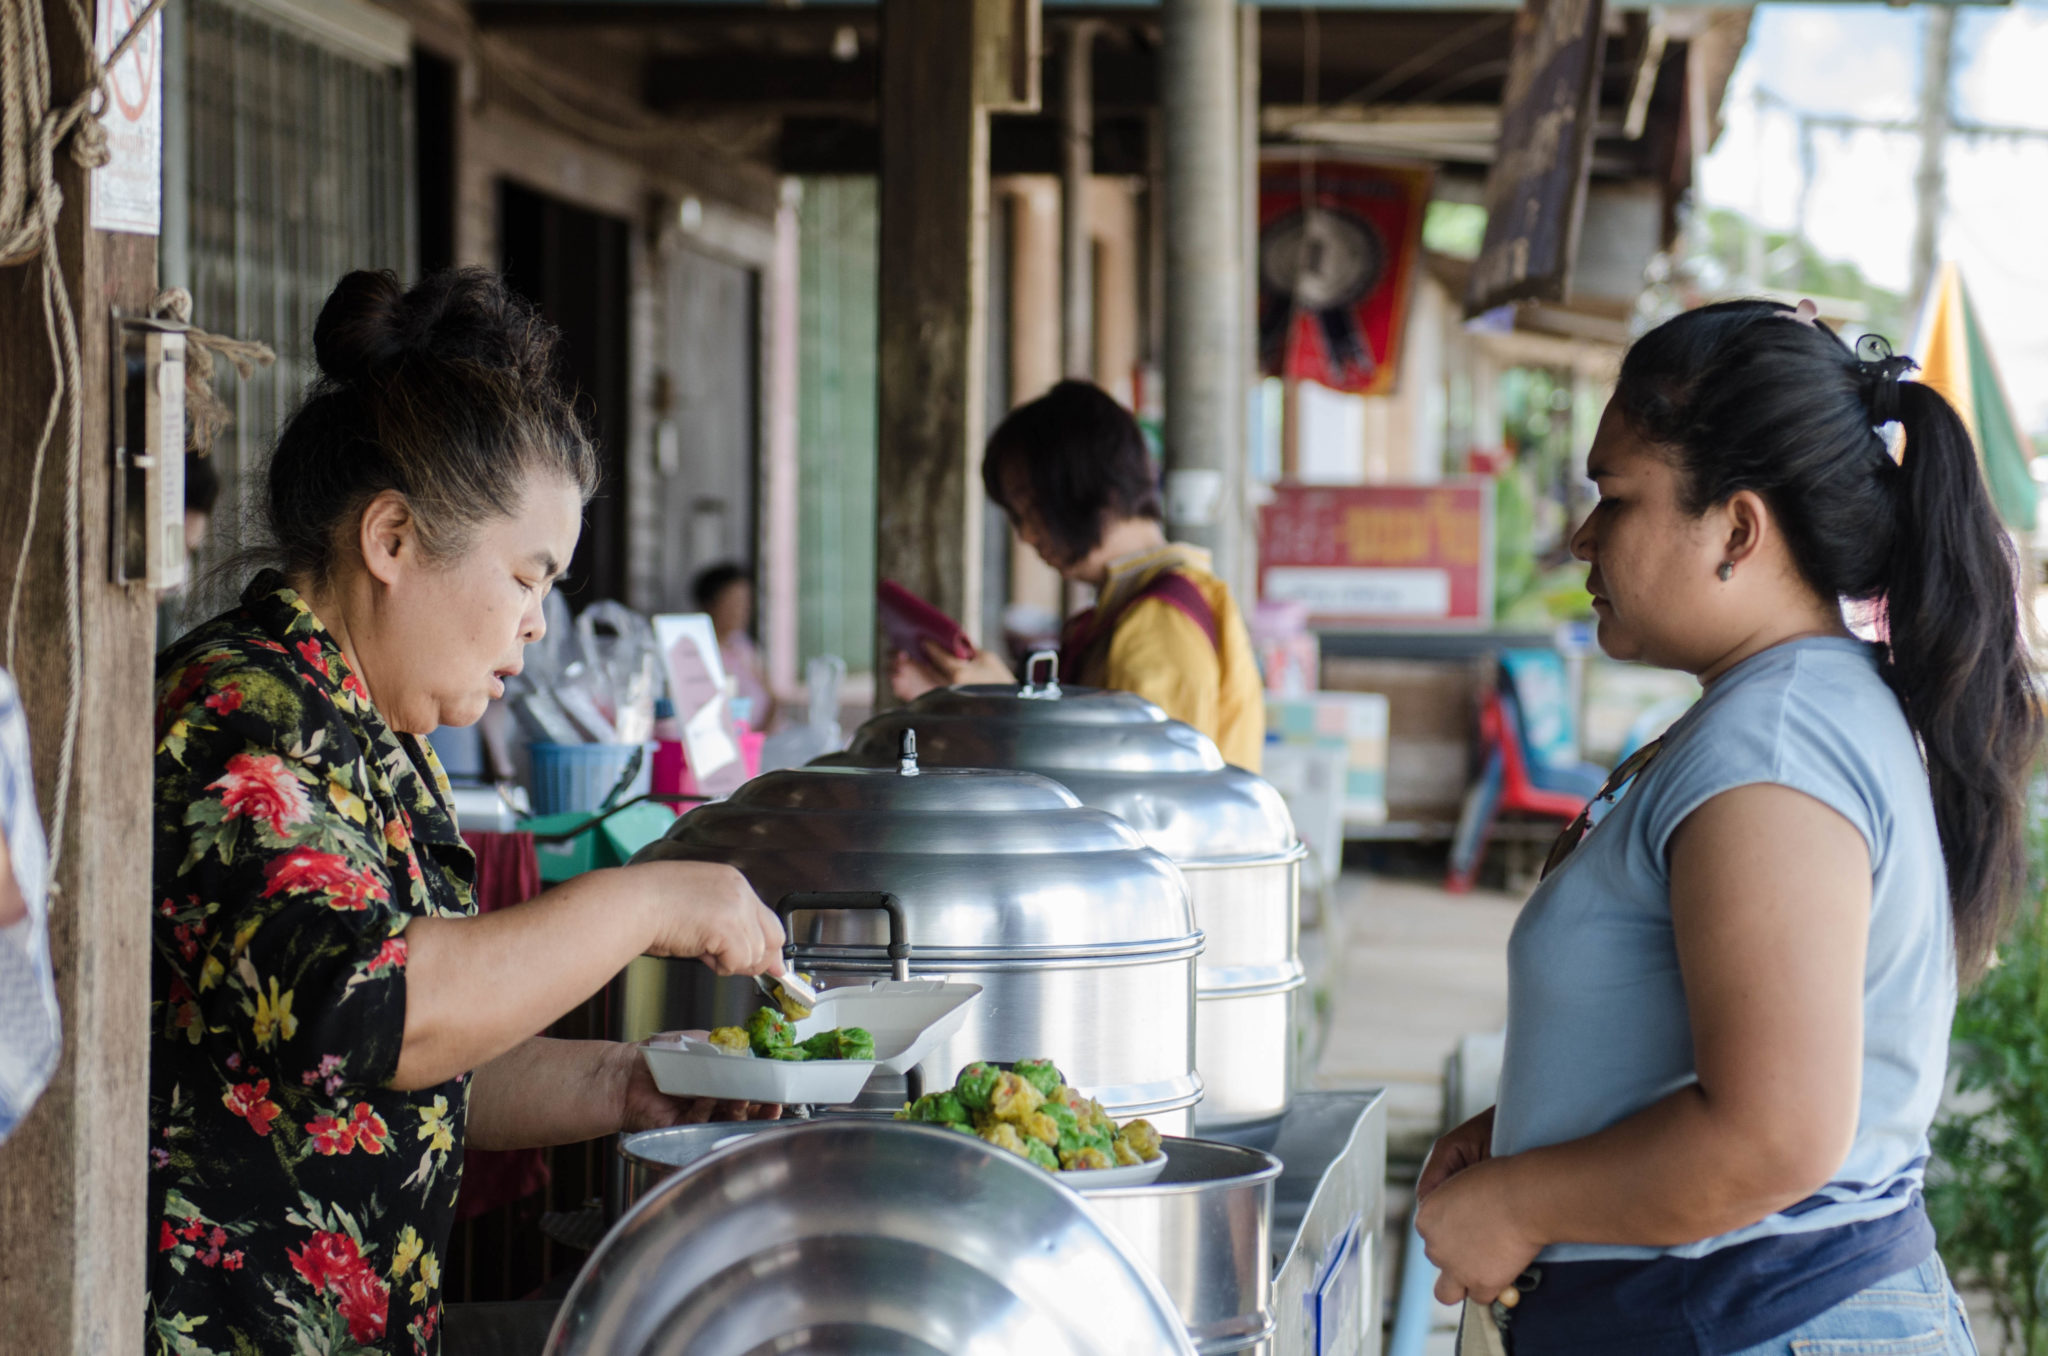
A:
[1473,1233]
[643,1106]
[1458,1150]
[706,910]
[911,678]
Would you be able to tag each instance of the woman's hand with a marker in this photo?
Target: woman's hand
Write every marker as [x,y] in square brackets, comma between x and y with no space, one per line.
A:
[1458,1150]
[643,1106]
[706,910]
[1472,1231]
[911,678]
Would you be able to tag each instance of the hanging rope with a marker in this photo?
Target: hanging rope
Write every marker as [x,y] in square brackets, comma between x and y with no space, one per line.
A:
[206,414]
[31,132]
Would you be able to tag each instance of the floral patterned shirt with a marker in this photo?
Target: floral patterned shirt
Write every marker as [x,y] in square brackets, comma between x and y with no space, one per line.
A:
[299,1204]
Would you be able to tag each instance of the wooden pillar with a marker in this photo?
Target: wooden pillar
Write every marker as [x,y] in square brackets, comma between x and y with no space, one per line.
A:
[945,64]
[1036,247]
[72,1190]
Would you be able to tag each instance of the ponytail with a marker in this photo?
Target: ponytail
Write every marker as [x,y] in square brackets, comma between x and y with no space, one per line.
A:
[1745,398]
[1956,658]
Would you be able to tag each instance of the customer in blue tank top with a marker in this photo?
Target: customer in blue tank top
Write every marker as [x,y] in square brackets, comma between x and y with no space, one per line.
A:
[1729,1005]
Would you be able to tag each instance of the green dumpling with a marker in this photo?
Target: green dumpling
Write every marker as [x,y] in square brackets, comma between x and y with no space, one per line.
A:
[769,1031]
[1040,1074]
[1041,1154]
[976,1085]
[856,1042]
[942,1108]
[824,1045]
[794,1054]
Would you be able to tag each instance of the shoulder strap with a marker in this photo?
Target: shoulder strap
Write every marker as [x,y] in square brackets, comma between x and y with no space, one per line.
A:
[1179,592]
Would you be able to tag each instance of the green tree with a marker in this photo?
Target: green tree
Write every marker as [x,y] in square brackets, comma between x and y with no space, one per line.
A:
[1988,1184]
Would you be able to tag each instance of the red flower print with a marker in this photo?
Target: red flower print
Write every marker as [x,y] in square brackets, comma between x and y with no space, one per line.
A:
[260,786]
[326,1258]
[233,1261]
[428,1320]
[270,645]
[389,956]
[187,947]
[194,1227]
[309,650]
[330,1136]
[248,1101]
[369,1129]
[225,702]
[305,870]
[166,1240]
[187,687]
[365,1301]
[354,687]
[167,909]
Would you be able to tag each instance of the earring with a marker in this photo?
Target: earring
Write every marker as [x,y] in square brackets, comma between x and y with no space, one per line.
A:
[1727,571]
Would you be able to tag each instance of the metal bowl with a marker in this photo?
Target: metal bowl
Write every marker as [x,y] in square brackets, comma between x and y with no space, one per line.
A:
[844,1236]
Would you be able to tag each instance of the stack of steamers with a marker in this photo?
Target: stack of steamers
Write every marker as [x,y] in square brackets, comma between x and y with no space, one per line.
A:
[1129,903]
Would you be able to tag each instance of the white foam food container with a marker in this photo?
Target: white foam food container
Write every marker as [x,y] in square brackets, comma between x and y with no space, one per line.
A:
[908,1018]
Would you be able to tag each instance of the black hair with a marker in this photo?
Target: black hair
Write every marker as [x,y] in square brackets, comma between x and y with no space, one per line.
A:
[716,579]
[1079,456]
[1746,397]
[202,484]
[445,392]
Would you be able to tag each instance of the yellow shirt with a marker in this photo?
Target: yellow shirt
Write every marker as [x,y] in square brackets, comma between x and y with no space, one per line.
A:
[1163,655]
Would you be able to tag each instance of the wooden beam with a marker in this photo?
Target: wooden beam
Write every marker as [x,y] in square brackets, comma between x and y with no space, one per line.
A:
[941,66]
[73,1209]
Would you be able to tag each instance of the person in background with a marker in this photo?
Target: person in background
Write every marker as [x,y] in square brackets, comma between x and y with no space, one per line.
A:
[1729,1004]
[202,494]
[30,1032]
[726,593]
[1072,470]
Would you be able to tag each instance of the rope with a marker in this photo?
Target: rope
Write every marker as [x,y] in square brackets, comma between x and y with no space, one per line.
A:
[31,131]
[206,413]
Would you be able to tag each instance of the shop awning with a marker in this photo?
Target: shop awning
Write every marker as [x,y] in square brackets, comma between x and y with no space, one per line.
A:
[1955,360]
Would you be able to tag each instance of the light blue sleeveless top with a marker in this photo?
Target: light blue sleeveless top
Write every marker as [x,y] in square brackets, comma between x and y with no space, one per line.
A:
[1597,1021]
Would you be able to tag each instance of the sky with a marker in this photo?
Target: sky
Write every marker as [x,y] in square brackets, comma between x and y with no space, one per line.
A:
[1864,60]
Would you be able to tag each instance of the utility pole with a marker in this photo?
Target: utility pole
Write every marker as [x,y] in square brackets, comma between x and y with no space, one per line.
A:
[1937,70]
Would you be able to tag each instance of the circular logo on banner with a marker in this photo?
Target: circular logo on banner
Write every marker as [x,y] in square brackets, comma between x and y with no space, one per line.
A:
[131,80]
[1323,257]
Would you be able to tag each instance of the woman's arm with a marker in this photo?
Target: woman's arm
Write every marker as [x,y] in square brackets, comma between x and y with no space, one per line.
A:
[1770,904]
[544,1091]
[476,987]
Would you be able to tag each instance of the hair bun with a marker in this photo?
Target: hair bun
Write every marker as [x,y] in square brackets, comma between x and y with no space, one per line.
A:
[372,322]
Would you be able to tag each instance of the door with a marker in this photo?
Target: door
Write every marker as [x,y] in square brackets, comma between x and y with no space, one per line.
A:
[575,266]
[706,438]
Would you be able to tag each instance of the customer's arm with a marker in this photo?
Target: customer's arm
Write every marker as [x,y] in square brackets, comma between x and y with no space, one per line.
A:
[1770,903]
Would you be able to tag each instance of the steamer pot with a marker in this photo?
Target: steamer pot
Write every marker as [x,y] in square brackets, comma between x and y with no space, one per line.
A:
[1203,1230]
[845,1236]
[1227,829]
[1081,936]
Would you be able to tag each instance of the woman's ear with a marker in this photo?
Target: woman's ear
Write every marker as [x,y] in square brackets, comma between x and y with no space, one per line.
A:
[1747,521]
[388,537]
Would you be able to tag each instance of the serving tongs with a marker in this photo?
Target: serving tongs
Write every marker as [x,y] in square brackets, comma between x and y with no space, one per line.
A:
[790,983]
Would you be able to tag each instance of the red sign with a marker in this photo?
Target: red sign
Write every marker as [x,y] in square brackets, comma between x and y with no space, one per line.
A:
[1338,242]
[1381,555]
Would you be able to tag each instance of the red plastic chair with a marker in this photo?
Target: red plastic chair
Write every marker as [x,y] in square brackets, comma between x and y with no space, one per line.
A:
[1503,784]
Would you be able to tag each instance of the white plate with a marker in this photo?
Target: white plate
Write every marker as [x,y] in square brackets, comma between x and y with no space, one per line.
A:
[686,1067]
[1137,1174]
[908,1019]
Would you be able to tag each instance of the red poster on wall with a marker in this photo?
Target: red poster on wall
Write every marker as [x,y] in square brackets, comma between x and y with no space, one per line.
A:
[1381,555]
[1338,241]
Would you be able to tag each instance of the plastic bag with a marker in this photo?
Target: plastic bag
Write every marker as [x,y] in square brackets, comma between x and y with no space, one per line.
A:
[819,733]
[622,673]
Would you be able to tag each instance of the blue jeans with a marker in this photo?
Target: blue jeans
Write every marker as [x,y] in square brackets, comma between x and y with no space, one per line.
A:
[1915,1313]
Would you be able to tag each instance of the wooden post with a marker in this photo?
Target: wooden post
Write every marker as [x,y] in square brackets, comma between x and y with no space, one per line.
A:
[945,63]
[72,1177]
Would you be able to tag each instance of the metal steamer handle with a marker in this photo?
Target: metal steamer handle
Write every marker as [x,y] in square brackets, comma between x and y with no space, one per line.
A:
[1049,690]
[849,901]
[819,901]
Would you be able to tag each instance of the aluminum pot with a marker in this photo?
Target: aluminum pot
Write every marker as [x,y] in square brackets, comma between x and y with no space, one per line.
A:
[849,1237]
[1204,1228]
[1081,936]
[1228,830]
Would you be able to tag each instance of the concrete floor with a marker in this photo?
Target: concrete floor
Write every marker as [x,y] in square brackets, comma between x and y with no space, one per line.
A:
[1412,972]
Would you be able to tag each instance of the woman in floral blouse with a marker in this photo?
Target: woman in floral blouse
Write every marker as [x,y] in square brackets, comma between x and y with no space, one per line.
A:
[331,1023]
